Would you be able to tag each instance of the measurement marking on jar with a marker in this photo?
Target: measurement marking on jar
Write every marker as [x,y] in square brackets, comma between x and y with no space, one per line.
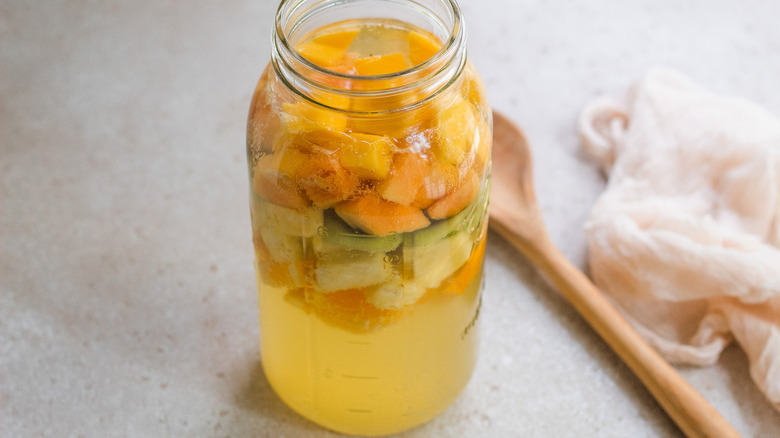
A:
[359,342]
[360,411]
[351,376]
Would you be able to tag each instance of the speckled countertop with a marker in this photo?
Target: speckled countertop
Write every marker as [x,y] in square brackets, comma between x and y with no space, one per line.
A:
[127,303]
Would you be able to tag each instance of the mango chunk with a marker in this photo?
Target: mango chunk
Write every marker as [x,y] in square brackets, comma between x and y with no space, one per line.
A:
[456,201]
[282,220]
[338,40]
[303,116]
[368,156]
[374,215]
[406,176]
[381,64]
[322,55]
[457,124]
[421,47]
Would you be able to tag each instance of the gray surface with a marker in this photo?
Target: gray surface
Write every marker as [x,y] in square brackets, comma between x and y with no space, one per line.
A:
[128,303]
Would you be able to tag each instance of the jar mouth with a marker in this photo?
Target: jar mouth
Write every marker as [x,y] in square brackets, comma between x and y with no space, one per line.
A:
[300,74]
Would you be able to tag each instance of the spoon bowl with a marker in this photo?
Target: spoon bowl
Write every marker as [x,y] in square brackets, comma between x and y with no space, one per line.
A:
[515,215]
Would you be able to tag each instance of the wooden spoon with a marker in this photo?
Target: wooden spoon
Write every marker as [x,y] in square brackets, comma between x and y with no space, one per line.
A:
[516,216]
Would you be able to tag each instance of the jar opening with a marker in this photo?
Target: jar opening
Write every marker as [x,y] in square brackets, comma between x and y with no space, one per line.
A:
[296,19]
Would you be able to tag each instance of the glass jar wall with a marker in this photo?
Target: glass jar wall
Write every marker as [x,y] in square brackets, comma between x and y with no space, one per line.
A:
[368,144]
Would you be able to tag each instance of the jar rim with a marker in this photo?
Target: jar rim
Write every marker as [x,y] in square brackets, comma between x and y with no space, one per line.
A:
[448,50]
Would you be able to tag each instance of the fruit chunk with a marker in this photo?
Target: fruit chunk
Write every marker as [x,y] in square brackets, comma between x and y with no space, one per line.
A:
[274,272]
[339,40]
[276,185]
[395,295]
[347,269]
[374,215]
[456,201]
[324,180]
[368,156]
[465,275]
[456,126]
[381,64]
[405,178]
[304,116]
[441,229]
[338,234]
[440,179]
[328,49]
[421,47]
[433,263]
[345,309]
[282,220]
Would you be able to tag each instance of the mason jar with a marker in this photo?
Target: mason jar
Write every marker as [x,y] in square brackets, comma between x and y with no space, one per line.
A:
[368,145]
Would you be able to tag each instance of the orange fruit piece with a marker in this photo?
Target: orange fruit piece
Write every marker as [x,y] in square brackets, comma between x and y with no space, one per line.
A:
[374,215]
[368,156]
[346,309]
[405,178]
[324,180]
[277,186]
[421,47]
[440,179]
[381,64]
[465,275]
[275,273]
[456,201]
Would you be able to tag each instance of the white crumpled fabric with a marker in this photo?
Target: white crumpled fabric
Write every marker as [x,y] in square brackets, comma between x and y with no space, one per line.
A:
[686,237]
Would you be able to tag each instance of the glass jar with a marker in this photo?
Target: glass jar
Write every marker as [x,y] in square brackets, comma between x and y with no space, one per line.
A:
[368,144]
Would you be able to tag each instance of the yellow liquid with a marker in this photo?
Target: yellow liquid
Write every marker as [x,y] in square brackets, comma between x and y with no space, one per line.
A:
[363,364]
[375,383]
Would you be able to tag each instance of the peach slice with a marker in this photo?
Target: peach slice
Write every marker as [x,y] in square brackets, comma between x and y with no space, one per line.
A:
[379,217]
[405,178]
[456,201]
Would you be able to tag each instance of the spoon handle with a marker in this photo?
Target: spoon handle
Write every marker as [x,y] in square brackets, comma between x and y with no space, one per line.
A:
[692,413]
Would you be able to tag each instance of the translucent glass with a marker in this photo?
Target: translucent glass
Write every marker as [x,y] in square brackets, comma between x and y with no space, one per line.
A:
[368,145]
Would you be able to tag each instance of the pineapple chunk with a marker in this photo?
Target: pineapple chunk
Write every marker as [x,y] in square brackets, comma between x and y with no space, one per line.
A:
[349,269]
[395,294]
[368,156]
[457,125]
[283,248]
[282,220]
[433,263]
